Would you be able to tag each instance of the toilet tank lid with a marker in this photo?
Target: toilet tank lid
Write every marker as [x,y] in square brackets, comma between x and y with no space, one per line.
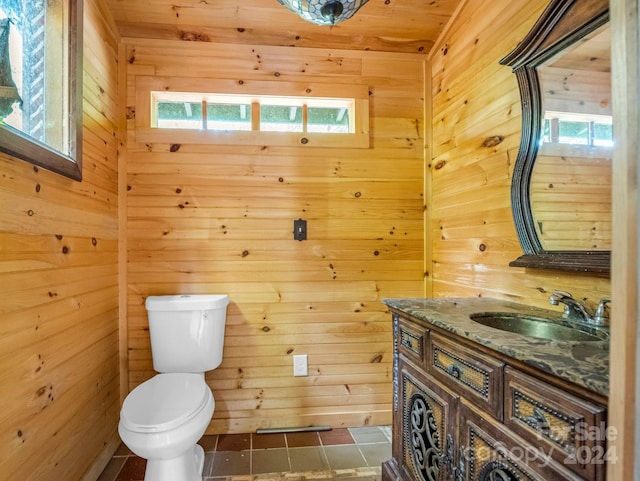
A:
[188,302]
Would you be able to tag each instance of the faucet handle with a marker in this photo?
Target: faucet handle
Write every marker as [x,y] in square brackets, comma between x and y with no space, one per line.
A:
[557,295]
[601,315]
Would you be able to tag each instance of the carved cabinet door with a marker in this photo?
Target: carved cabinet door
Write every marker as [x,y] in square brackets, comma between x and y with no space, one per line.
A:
[428,427]
[490,452]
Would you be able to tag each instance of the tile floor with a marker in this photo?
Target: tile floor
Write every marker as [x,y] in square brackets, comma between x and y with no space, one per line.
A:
[342,454]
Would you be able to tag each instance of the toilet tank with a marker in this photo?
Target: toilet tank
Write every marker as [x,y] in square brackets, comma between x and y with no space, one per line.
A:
[187,331]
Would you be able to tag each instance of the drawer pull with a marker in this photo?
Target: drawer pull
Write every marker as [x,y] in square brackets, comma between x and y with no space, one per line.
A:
[538,421]
[406,342]
[455,371]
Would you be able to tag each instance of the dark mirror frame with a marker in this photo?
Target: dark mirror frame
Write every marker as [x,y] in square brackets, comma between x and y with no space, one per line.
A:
[562,24]
[18,144]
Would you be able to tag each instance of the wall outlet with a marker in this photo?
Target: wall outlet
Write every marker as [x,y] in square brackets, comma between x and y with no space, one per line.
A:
[300,367]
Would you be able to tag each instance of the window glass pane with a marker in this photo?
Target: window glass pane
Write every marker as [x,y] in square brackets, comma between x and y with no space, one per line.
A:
[574,132]
[179,115]
[34,87]
[328,119]
[281,118]
[228,116]
[546,131]
[603,134]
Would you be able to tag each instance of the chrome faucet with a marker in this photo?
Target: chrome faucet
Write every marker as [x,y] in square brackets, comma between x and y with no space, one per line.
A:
[577,311]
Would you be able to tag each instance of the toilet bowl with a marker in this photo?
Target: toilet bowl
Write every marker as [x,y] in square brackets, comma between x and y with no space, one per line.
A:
[162,419]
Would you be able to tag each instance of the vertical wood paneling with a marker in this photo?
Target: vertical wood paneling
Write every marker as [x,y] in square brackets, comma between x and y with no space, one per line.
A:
[59,280]
[474,100]
[624,411]
[219,219]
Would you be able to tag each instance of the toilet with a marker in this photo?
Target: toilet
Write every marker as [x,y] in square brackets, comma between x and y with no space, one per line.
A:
[163,418]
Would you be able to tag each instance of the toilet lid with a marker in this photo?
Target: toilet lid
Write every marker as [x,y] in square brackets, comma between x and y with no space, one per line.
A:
[165,401]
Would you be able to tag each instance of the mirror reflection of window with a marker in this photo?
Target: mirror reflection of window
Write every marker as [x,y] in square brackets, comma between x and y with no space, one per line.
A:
[576,93]
[563,128]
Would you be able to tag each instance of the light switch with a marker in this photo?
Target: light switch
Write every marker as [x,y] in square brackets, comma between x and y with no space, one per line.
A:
[300,229]
[300,367]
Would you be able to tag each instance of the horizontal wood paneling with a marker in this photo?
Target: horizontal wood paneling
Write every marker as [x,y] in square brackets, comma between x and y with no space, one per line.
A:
[475,99]
[59,277]
[219,219]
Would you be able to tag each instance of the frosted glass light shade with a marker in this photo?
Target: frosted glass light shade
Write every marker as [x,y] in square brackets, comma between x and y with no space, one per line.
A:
[324,12]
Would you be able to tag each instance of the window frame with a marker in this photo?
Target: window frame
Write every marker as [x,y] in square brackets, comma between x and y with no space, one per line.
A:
[147,86]
[20,145]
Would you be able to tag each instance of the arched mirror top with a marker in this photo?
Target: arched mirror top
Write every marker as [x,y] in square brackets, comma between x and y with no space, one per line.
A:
[561,185]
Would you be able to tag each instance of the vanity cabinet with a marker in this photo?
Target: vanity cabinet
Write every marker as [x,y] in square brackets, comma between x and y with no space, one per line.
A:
[465,413]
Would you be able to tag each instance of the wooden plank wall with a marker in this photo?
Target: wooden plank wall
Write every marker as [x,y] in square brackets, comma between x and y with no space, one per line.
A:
[59,281]
[624,375]
[476,132]
[219,219]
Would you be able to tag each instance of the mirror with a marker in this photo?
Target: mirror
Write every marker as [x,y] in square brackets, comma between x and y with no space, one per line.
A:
[561,185]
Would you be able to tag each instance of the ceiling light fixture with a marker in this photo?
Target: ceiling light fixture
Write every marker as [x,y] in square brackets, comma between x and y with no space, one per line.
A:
[324,12]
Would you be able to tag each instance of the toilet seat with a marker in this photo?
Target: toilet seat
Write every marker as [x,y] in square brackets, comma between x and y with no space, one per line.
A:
[164,402]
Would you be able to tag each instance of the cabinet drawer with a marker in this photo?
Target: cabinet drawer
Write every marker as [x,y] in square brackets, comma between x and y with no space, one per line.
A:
[570,429]
[470,373]
[411,341]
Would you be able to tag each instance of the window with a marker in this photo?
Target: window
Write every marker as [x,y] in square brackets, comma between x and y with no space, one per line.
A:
[262,117]
[182,110]
[40,87]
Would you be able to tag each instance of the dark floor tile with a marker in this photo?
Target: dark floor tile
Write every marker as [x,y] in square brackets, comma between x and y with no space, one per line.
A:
[133,469]
[269,440]
[270,461]
[336,436]
[299,440]
[234,442]
[112,469]
[208,442]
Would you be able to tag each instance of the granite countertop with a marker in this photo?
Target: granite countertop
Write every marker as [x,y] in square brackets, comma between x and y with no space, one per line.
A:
[583,363]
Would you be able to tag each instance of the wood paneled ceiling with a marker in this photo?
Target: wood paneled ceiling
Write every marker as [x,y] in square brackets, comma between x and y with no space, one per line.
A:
[410,26]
